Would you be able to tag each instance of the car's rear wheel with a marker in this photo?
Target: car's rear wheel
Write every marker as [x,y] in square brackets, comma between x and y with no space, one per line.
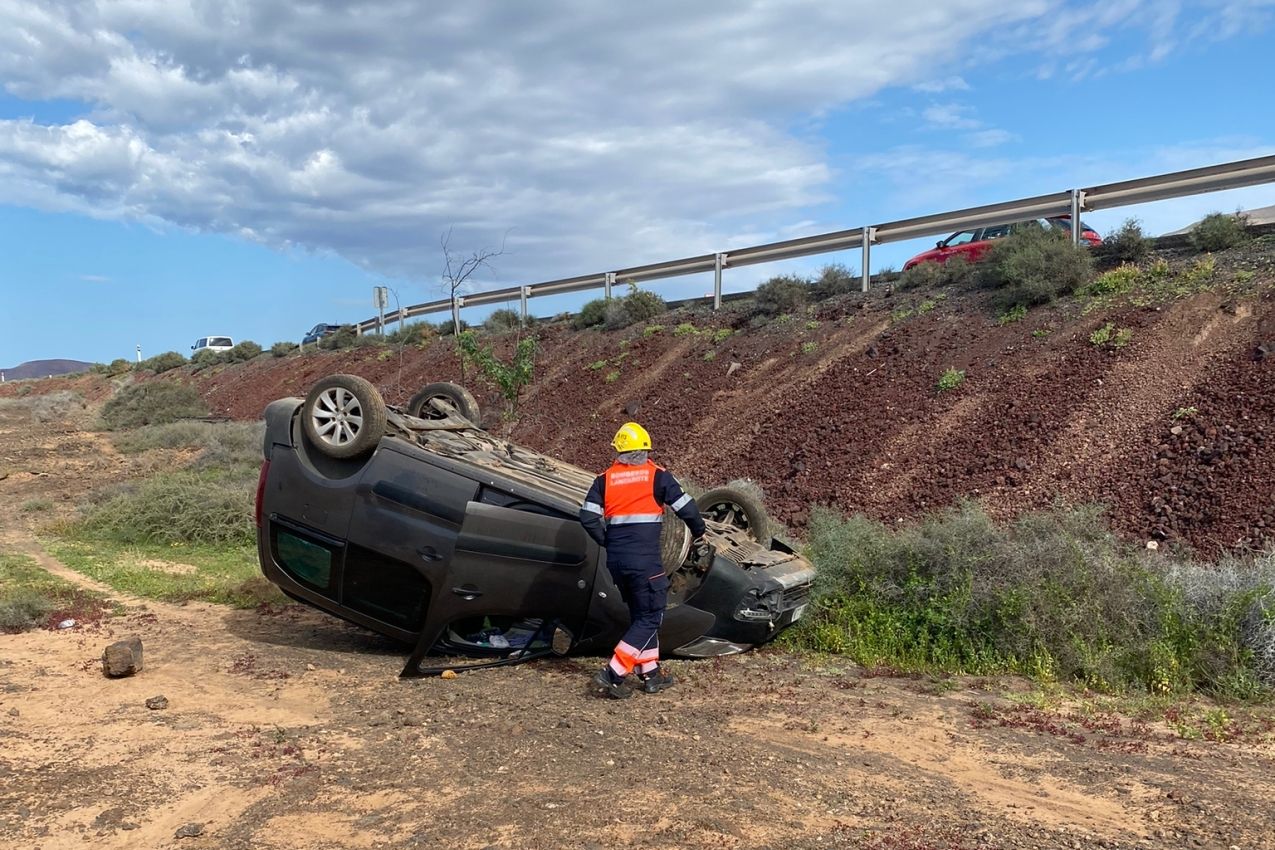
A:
[734,507]
[441,399]
[343,416]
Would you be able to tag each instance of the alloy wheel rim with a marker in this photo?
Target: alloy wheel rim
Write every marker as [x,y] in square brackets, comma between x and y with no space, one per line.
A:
[337,416]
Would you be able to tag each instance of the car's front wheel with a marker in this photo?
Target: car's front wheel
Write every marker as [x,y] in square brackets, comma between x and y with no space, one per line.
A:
[734,507]
[343,416]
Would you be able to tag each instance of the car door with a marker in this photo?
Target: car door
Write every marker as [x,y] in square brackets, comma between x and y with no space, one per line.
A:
[522,562]
[404,524]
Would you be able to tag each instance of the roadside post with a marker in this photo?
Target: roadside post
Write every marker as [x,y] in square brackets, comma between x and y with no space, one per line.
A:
[380,298]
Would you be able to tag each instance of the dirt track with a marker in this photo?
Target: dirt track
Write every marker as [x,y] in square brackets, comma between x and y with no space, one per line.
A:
[289,729]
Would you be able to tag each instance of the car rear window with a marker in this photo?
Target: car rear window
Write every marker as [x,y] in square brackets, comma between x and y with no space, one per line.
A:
[309,563]
[220,340]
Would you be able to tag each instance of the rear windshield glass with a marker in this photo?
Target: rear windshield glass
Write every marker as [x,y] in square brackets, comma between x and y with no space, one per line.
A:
[220,340]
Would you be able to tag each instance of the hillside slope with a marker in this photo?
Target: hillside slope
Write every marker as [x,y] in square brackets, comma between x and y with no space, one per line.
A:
[1174,431]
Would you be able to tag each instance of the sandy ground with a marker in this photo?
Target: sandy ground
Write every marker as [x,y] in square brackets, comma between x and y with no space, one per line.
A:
[289,729]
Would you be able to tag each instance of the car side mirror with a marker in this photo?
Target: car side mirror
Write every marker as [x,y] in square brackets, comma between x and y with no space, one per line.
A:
[938,244]
[562,641]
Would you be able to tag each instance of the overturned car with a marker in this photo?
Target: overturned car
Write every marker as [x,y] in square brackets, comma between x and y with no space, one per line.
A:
[419,525]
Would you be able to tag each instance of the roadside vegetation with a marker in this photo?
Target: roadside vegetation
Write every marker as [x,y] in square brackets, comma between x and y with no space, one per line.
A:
[1052,595]
[180,534]
[152,403]
[31,597]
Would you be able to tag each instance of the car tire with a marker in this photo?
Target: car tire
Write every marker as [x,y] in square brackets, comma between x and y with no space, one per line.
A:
[734,507]
[343,416]
[450,394]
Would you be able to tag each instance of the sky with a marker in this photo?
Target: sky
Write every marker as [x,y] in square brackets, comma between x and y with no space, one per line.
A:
[173,169]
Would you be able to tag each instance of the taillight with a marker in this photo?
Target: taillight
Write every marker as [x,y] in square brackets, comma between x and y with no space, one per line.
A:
[261,490]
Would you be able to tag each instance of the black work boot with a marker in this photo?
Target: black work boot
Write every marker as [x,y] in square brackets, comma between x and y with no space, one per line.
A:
[604,686]
[657,681]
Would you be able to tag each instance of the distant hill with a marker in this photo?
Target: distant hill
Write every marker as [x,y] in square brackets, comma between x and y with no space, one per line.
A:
[1261,215]
[43,368]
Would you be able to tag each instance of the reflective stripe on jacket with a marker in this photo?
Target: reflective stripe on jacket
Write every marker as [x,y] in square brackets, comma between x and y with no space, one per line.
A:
[625,508]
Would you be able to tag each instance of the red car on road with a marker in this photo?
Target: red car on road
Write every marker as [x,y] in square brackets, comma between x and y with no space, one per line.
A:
[974,244]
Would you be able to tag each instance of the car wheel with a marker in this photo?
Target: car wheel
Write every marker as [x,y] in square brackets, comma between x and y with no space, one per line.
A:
[675,542]
[734,507]
[343,416]
[438,400]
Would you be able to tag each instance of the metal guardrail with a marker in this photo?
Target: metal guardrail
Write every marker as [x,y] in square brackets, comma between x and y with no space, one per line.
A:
[1177,184]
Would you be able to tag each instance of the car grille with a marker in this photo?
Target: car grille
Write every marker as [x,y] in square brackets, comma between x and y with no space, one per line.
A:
[794,596]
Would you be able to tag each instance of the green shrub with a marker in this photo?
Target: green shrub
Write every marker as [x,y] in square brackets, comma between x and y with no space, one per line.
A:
[118,366]
[1034,266]
[1052,595]
[509,378]
[809,347]
[721,335]
[951,379]
[1014,314]
[282,349]
[182,507]
[651,330]
[344,337]
[1128,244]
[417,333]
[152,403]
[222,445]
[957,271]
[204,358]
[638,306]
[1115,282]
[834,279]
[30,596]
[685,329]
[591,315]
[1218,231]
[242,352]
[448,328]
[162,362]
[782,294]
[503,320]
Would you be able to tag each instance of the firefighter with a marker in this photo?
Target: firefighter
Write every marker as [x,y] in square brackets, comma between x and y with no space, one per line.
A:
[623,513]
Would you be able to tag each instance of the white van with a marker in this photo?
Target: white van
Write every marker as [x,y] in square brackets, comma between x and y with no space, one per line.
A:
[212,343]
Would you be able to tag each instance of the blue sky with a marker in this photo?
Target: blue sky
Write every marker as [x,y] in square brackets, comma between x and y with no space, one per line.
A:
[171,170]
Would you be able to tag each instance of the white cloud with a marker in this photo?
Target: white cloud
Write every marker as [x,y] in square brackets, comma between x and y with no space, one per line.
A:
[990,138]
[946,84]
[94,278]
[592,134]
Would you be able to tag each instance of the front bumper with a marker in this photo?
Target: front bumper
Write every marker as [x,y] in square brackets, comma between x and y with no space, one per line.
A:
[750,606]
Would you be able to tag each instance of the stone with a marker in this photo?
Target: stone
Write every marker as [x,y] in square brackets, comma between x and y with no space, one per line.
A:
[734,367]
[157,703]
[13,712]
[189,830]
[123,658]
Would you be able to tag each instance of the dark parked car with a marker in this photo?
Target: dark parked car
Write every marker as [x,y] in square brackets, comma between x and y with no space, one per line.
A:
[418,524]
[974,244]
[318,332]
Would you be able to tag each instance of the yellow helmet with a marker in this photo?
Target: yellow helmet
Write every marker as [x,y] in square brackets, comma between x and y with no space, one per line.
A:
[631,437]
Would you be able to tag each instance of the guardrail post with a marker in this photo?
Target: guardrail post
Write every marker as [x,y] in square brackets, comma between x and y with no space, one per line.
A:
[869,233]
[718,262]
[522,292]
[1077,204]
[606,286]
[457,302]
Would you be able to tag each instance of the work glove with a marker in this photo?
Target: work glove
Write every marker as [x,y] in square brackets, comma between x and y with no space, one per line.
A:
[702,548]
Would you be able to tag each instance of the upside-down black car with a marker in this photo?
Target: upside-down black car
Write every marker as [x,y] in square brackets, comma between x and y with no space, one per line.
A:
[420,525]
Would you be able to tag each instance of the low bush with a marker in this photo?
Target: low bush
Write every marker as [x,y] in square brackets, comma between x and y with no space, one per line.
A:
[638,306]
[1128,244]
[344,337]
[162,362]
[1219,231]
[834,279]
[204,358]
[118,366]
[782,294]
[30,596]
[417,333]
[224,444]
[1052,595]
[282,349]
[152,403]
[183,507]
[503,320]
[509,378]
[242,352]
[448,328]
[957,271]
[1034,266]
[591,315]
[951,379]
